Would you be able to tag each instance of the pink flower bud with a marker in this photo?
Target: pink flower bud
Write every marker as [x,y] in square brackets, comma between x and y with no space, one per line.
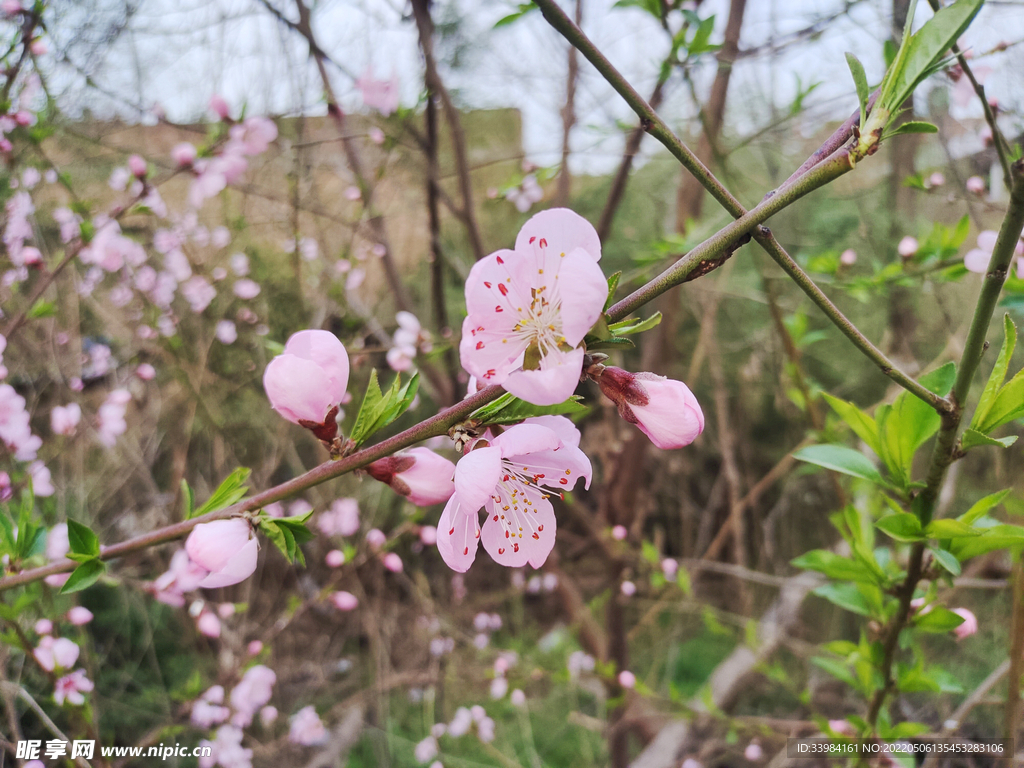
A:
[970,625]
[137,166]
[428,535]
[628,588]
[145,371]
[183,154]
[219,106]
[376,538]
[392,562]
[619,533]
[937,179]
[627,679]
[225,549]
[254,648]
[848,257]
[670,568]
[335,558]
[518,698]
[976,185]
[753,752]
[79,615]
[43,626]
[309,380]
[664,409]
[419,474]
[907,247]
[268,715]
[345,601]
[226,610]
[208,624]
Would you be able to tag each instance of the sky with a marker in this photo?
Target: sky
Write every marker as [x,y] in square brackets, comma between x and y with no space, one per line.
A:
[177,53]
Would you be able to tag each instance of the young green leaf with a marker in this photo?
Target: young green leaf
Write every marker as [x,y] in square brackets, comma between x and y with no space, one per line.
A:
[231,490]
[911,126]
[846,596]
[949,529]
[991,539]
[938,620]
[860,80]
[901,526]
[972,438]
[834,566]
[369,411]
[998,375]
[840,459]
[947,560]
[82,540]
[629,327]
[862,425]
[613,284]
[983,506]
[509,409]
[85,575]
[189,498]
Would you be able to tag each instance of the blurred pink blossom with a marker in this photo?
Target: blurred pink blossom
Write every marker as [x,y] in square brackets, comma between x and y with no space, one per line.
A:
[344,601]
[226,332]
[71,687]
[56,653]
[969,626]
[627,679]
[392,562]
[335,558]
[64,418]
[381,95]
[219,106]
[340,519]
[79,615]
[306,727]
[376,538]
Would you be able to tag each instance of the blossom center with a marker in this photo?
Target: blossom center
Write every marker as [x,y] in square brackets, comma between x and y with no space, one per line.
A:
[540,324]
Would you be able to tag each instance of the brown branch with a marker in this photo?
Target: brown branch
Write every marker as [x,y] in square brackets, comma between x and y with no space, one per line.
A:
[425,26]
[569,116]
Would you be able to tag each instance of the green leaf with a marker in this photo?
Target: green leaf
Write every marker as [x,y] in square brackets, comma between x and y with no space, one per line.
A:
[840,459]
[834,566]
[860,80]
[982,506]
[189,498]
[509,409]
[947,560]
[909,422]
[522,10]
[862,425]
[919,52]
[231,490]
[378,410]
[991,539]
[83,541]
[950,529]
[837,669]
[901,526]
[912,126]
[613,285]
[938,620]
[42,308]
[971,438]
[629,327]
[85,575]
[998,375]
[652,7]
[846,596]
[369,411]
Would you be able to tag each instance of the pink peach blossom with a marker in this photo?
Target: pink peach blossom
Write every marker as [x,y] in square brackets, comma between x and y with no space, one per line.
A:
[392,562]
[376,538]
[664,409]
[56,653]
[145,371]
[208,624]
[43,627]
[976,185]
[309,379]
[619,533]
[225,549]
[848,257]
[254,648]
[183,154]
[137,166]
[419,474]
[907,247]
[627,679]
[512,478]
[428,535]
[529,309]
